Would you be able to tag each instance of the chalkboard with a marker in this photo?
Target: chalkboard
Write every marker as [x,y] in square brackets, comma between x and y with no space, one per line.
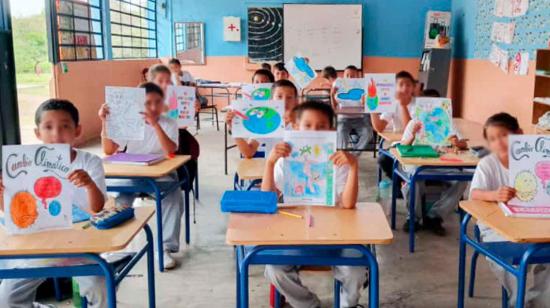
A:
[265,34]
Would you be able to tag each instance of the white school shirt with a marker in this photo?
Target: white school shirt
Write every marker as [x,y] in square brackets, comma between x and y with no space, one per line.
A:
[394,119]
[151,143]
[94,166]
[341,177]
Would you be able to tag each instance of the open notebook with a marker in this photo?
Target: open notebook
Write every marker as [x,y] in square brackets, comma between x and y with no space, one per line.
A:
[135,159]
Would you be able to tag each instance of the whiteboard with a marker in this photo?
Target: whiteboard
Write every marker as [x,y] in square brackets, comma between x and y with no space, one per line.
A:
[327,34]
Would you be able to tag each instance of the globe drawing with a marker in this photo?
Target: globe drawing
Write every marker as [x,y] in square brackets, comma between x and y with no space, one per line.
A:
[437,125]
[262,120]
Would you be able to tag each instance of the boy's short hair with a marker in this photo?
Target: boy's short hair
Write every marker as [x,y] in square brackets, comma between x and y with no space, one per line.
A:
[321,107]
[56,104]
[266,73]
[174,61]
[405,75]
[157,69]
[284,83]
[504,120]
[151,88]
[280,66]
[329,72]
[266,66]
[352,67]
[431,93]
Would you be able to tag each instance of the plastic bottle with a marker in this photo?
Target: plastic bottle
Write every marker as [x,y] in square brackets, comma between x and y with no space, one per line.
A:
[384,193]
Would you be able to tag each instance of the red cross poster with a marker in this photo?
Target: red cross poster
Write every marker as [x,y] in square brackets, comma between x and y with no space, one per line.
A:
[232,29]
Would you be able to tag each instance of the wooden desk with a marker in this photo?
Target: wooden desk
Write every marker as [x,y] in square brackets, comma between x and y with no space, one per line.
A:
[470,130]
[514,229]
[159,170]
[251,169]
[331,226]
[390,136]
[466,160]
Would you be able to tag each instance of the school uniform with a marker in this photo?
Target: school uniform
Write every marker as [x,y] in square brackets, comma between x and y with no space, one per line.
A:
[490,175]
[286,277]
[172,204]
[21,293]
[450,194]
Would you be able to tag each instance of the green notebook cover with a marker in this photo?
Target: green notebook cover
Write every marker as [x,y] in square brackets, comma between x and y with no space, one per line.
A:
[416,151]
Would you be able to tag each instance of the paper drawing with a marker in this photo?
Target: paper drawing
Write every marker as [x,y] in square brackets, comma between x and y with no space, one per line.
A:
[181,104]
[37,195]
[503,32]
[125,120]
[511,8]
[255,119]
[437,30]
[520,63]
[349,91]
[300,70]
[257,92]
[499,57]
[308,172]
[380,93]
[436,115]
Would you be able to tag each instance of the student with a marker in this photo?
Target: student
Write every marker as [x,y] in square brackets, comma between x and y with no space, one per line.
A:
[450,191]
[263,76]
[329,73]
[266,66]
[57,121]
[281,90]
[160,75]
[319,117]
[280,71]
[180,77]
[395,121]
[161,137]
[491,183]
[360,124]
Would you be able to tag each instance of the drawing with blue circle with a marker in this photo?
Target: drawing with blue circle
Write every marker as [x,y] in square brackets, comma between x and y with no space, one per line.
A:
[54,208]
[437,125]
[352,95]
[262,120]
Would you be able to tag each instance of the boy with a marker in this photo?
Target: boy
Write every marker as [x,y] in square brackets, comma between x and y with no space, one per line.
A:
[180,77]
[348,124]
[280,71]
[57,121]
[316,116]
[263,76]
[266,66]
[160,75]
[161,137]
[330,75]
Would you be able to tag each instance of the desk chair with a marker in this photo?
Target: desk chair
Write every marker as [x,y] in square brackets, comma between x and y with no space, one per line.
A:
[214,112]
[239,184]
[188,145]
[318,94]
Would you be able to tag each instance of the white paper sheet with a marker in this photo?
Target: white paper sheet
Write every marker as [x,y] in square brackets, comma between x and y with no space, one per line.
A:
[181,104]
[256,92]
[503,32]
[299,69]
[380,94]
[349,91]
[125,121]
[499,57]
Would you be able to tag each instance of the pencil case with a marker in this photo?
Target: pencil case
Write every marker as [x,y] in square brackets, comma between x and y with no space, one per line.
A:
[263,202]
[113,217]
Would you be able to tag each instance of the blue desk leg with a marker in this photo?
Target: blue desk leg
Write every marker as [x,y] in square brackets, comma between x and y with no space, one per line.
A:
[462,260]
[110,283]
[373,278]
[150,266]
[412,212]
[187,226]
[158,204]
[239,250]
[395,191]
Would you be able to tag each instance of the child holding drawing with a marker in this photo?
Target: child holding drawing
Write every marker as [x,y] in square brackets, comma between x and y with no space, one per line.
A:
[161,137]
[318,117]
[57,121]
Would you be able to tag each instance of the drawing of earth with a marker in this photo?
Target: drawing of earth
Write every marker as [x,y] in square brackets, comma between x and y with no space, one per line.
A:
[437,125]
[262,120]
[526,186]
[261,94]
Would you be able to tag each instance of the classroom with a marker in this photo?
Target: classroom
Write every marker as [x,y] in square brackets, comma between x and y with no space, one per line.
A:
[275,153]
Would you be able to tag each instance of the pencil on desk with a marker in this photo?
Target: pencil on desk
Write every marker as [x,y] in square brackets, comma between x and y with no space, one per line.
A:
[290,214]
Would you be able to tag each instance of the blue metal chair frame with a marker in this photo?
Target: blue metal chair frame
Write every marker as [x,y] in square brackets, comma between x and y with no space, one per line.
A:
[421,173]
[238,184]
[320,255]
[159,191]
[505,254]
[100,268]
[383,152]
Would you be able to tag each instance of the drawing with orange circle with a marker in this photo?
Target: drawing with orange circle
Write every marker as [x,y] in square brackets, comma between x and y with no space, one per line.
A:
[23,209]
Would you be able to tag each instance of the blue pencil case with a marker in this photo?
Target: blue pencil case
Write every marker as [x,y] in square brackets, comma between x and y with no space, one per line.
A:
[111,218]
[263,202]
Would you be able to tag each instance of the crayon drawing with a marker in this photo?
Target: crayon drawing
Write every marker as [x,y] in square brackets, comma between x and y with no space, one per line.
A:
[181,104]
[436,115]
[37,195]
[300,70]
[380,93]
[530,176]
[308,172]
[125,121]
[258,119]
[257,92]
[349,91]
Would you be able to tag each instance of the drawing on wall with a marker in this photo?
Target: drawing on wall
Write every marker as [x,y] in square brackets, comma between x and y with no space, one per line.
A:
[125,119]
[181,104]
[257,92]
[380,93]
[503,32]
[265,34]
[37,194]
[511,8]
[436,116]
[499,57]
[258,119]
[529,171]
[437,30]
[349,91]
[298,67]
[308,172]
[520,63]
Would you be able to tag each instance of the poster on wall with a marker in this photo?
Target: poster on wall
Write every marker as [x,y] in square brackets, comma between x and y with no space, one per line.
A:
[265,34]
[437,31]
[232,29]
[181,104]
[511,8]
[529,176]
[499,57]
[37,194]
[503,32]
[520,63]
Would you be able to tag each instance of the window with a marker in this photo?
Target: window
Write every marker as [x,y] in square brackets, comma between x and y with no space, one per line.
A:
[189,37]
[79,30]
[133,29]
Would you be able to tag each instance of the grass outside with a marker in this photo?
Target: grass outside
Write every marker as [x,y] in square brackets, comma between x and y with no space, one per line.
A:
[24,79]
[32,90]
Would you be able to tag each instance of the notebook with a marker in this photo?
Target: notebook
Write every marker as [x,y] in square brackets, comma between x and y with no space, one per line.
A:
[424,151]
[135,159]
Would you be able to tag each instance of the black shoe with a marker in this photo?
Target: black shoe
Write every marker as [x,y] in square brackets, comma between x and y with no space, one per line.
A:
[435,225]
[417,226]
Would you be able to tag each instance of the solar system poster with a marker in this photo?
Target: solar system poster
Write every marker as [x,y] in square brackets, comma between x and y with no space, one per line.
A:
[37,194]
[265,34]
[258,119]
[529,175]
